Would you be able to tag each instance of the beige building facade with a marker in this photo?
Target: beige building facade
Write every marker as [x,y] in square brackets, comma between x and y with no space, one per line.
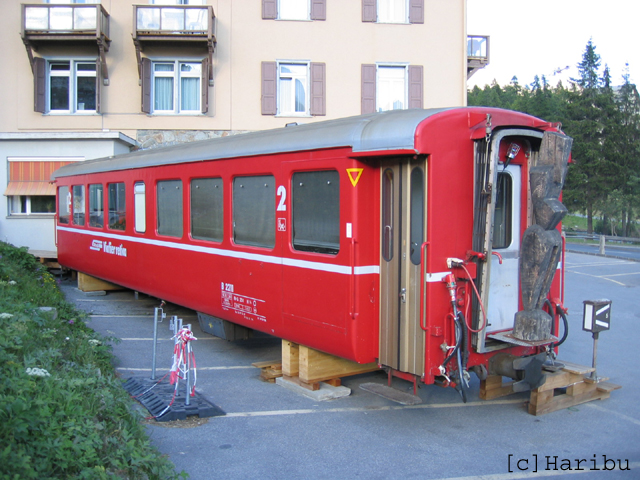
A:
[141,75]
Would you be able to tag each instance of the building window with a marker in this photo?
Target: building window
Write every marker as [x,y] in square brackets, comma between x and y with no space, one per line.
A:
[316,211]
[32,205]
[391,87]
[178,2]
[393,11]
[254,211]
[71,87]
[294,9]
[169,194]
[175,86]
[207,209]
[293,89]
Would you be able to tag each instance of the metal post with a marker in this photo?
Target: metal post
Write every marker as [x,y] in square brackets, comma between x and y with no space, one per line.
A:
[155,342]
[187,398]
[601,251]
[594,375]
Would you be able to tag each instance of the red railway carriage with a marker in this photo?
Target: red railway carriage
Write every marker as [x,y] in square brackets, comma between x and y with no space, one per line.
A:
[424,240]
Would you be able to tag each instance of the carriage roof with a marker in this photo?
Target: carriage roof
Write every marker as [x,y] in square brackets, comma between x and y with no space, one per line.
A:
[392,130]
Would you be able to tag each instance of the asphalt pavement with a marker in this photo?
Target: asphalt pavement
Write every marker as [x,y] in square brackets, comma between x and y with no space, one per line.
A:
[270,432]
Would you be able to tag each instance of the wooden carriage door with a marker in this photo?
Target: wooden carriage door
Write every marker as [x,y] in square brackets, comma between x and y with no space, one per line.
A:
[403,230]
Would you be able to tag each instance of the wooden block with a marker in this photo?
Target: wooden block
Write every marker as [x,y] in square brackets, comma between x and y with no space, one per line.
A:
[577,388]
[541,398]
[607,387]
[272,363]
[87,283]
[559,379]
[316,366]
[334,382]
[309,386]
[559,402]
[493,387]
[290,362]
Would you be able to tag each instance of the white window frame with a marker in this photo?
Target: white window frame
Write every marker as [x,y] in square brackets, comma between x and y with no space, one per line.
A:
[380,91]
[293,10]
[66,2]
[16,200]
[384,16]
[72,74]
[176,75]
[177,2]
[281,92]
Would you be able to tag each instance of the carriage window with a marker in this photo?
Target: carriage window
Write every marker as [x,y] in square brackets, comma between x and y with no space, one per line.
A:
[96,205]
[169,193]
[64,204]
[206,209]
[417,214]
[254,211]
[117,206]
[316,211]
[387,215]
[503,215]
[78,204]
[139,205]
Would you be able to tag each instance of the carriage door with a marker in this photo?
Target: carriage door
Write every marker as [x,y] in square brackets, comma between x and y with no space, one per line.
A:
[403,227]
[504,280]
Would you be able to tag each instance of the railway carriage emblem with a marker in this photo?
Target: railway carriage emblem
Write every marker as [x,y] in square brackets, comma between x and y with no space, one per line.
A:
[354,175]
[282,224]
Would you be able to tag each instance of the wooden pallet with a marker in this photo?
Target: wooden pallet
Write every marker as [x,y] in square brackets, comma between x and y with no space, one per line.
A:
[569,386]
[308,367]
[270,370]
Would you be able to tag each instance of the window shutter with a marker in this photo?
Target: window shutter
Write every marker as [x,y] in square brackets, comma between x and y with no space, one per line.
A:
[369,11]
[269,9]
[146,85]
[416,11]
[98,83]
[415,86]
[204,83]
[368,89]
[318,89]
[269,79]
[318,9]
[39,84]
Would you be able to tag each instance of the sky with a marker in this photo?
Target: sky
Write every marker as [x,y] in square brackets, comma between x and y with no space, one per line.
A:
[540,37]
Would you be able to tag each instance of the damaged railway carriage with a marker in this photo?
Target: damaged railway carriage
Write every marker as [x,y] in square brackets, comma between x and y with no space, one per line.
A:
[427,241]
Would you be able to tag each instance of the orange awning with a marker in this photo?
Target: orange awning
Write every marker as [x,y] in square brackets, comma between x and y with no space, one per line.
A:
[30,188]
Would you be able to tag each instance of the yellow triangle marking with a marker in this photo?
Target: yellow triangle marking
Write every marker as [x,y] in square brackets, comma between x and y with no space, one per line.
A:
[354,179]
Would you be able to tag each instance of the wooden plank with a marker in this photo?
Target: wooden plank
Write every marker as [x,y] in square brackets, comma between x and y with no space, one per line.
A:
[272,363]
[493,387]
[559,379]
[559,402]
[575,368]
[316,366]
[290,359]
[607,387]
[309,386]
[87,283]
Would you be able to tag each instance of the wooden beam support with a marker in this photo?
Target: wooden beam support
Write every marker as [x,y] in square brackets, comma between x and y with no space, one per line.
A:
[87,283]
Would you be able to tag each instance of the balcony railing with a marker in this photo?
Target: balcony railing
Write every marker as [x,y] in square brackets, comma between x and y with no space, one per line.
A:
[65,22]
[173,21]
[477,53]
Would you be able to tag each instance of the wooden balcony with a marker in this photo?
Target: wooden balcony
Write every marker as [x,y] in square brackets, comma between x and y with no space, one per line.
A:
[77,24]
[174,25]
[477,53]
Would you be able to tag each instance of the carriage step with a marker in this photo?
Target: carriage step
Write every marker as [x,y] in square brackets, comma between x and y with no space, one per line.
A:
[391,393]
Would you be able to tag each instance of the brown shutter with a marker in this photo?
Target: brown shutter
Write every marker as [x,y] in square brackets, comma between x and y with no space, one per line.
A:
[318,89]
[39,84]
[269,9]
[416,11]
[269,80]
[368,89]
[146,85]
[369,11]
[204,83]
[98,83]
[318,9]
[415,86]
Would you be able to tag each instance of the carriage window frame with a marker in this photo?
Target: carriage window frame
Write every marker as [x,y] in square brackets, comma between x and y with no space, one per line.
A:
[503,212]
[207,209]
[254,211]
[78,214]
[416,228]
[315,205]
[96,205]
[169,208]
[387,214]
[64,205]
[116,197]
[139,207]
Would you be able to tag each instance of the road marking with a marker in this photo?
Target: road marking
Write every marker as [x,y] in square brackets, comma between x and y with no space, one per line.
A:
[597,276]
[621,274]
[270,413]
[540,474]
[617,414]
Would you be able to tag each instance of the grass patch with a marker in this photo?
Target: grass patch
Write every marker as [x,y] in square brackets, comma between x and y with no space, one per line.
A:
[63,411]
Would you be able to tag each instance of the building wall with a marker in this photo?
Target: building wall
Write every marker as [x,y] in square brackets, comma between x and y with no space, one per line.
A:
[244,40]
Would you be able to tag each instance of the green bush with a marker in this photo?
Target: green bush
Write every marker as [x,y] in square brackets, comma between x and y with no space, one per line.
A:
[63,412]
